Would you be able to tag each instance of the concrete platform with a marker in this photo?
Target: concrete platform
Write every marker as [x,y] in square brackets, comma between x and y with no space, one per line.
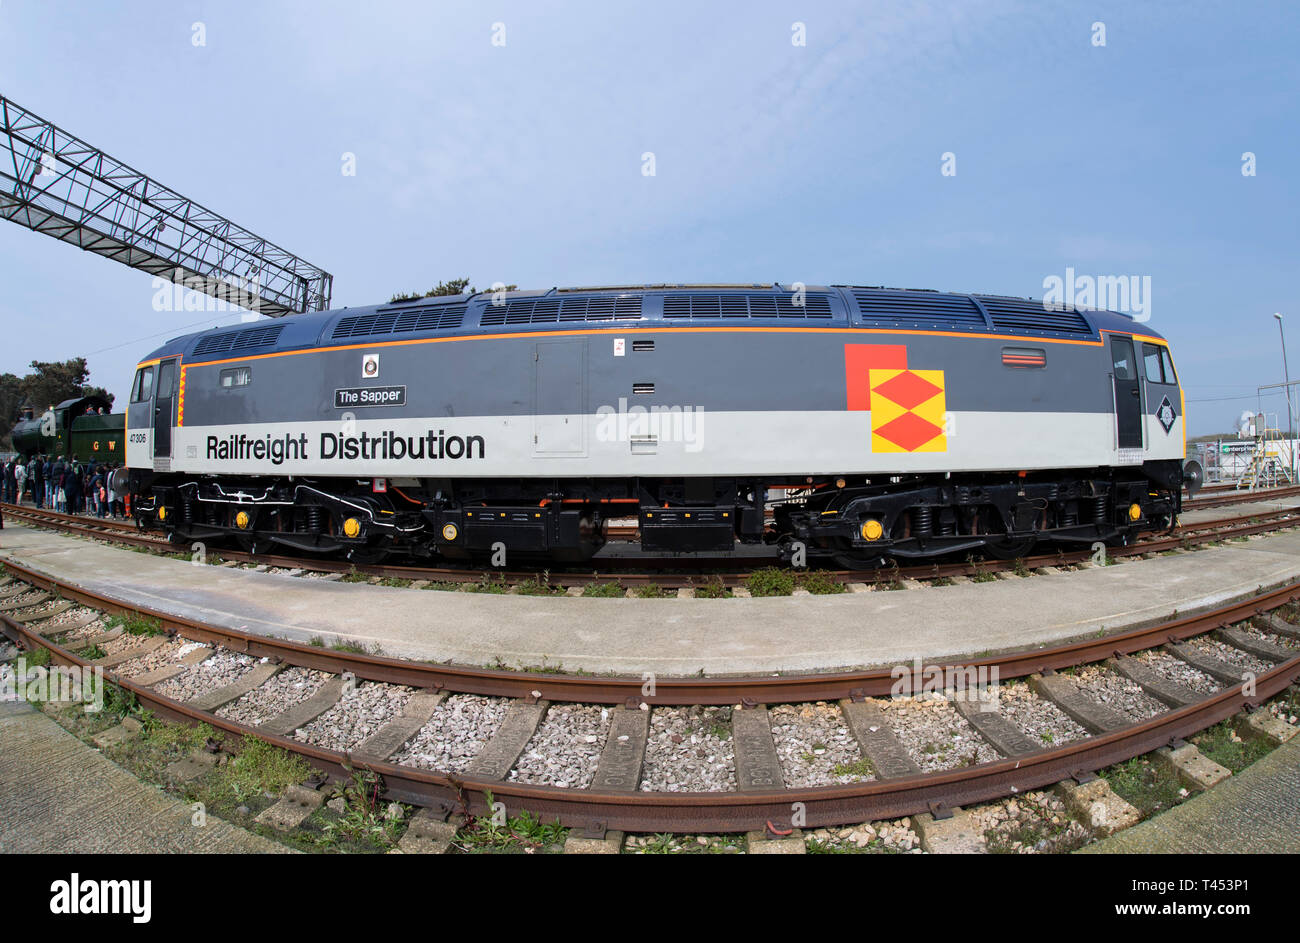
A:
[675,636]
[61,796]
[1255,812]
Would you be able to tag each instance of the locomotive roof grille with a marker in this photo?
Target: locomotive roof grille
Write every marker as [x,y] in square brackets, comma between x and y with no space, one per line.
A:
[388,321]
[1020,314]
[746,306]
[550,309]
[247,339]
[897,308]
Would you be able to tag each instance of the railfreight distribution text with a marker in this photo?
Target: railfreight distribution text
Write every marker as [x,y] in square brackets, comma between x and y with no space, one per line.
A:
[386,445]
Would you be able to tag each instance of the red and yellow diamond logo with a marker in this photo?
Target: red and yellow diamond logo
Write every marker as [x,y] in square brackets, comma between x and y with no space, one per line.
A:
[907,406]
[907,410]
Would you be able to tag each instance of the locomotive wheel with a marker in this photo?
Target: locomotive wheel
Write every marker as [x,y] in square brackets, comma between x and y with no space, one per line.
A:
[1010,548]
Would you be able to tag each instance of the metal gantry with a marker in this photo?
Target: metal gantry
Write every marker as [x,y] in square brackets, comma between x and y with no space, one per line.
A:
[55,183]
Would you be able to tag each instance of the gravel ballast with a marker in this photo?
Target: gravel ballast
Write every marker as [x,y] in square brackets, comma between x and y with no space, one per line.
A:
[454,735]
[1233,656]
[221,669]
[1118,693]
[690,750]
[359,713]
[1040,719]
[812,741]
[275,696]
[935,735]
[160,657]
[566,748]
[1176,670]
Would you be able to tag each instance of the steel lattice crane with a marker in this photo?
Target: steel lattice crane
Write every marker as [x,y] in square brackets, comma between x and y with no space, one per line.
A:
[55,183]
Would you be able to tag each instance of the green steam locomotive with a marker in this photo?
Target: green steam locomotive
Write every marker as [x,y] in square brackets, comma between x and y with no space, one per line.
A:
[83,427]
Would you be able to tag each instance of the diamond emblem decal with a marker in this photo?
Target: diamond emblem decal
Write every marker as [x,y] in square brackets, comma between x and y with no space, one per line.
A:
[908,389]
[909,432]
[1166,414]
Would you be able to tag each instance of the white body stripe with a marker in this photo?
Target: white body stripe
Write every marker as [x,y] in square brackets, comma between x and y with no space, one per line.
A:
[730,443]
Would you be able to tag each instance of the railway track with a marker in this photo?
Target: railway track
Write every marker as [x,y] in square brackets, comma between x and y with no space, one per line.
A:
[1229,496]
[667,573]
[1230,487]
[1244,640]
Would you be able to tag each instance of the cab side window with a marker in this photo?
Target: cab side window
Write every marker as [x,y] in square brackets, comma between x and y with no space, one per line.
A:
[1151,364]
[166,379]
[143,388]
[1170,376]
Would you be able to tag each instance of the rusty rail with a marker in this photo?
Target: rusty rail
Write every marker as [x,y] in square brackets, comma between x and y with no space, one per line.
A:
[734,811]
[758,689]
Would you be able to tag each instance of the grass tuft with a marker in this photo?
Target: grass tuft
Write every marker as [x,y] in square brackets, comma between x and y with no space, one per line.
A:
[714,588]
[604,590]
[770,581]
[820,583]
[135,624]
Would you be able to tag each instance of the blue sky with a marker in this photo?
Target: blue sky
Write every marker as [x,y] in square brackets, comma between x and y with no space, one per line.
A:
[773,162]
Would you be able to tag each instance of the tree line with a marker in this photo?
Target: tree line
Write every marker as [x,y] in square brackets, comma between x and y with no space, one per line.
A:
[457,286]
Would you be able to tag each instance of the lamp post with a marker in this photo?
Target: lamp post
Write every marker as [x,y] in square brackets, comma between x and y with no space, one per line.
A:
[1290,416]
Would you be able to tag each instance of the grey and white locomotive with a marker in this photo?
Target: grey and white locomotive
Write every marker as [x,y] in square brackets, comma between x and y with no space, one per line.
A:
[857,424]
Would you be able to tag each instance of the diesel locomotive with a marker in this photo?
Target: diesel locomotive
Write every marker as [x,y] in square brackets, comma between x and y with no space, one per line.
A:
[844,424]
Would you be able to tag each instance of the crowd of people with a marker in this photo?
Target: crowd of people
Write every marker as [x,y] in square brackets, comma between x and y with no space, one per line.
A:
[65,485]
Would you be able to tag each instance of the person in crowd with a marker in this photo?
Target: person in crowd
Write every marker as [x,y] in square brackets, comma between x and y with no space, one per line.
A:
[77,483]
[55,479]
[97,493]
[72,486]
[38,481]
[20,480]
[109,478]
[86,504]
[11,481]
